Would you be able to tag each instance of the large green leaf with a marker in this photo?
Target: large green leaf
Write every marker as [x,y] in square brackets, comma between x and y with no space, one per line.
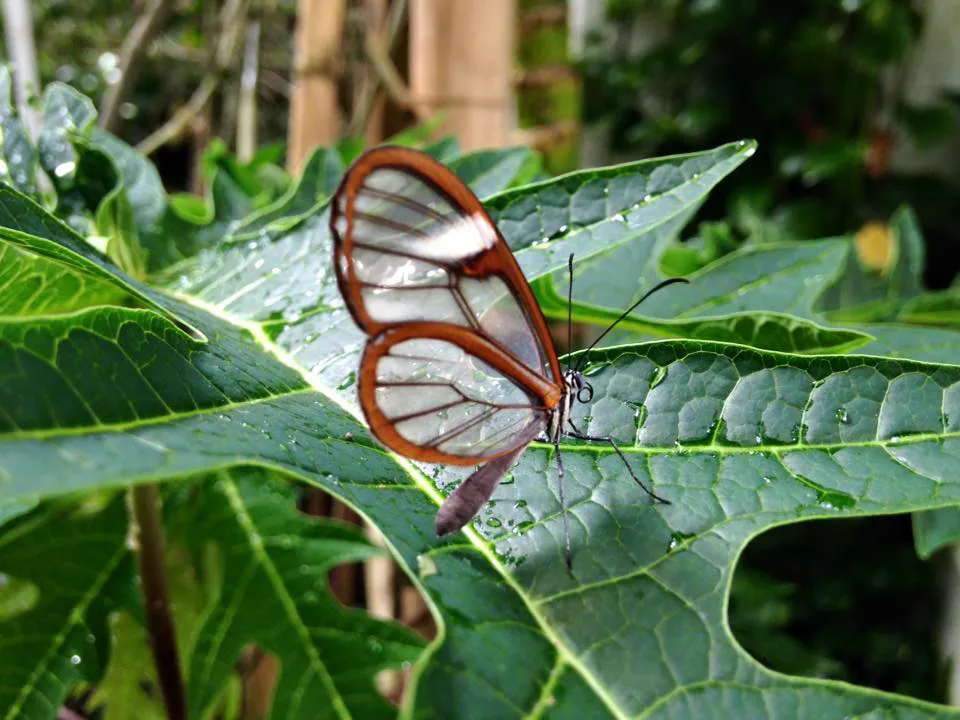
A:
[274,592]
[738,439]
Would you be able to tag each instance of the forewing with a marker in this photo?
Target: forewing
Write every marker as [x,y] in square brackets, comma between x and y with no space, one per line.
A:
[431,399]
[412,243]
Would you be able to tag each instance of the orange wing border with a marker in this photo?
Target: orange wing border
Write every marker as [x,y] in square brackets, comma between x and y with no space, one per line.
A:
[382,427]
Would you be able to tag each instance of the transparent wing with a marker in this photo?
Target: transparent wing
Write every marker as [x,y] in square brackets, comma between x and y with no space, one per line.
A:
[430,399]
[414,244]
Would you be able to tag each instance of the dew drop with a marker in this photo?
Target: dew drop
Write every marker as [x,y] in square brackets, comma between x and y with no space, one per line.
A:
[520,504]
[494,522]
[843,416]
[348,381]
[74,659]
[64,169]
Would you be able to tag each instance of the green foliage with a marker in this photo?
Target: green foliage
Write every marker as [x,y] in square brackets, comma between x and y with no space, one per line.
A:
[808,79]
[224,366]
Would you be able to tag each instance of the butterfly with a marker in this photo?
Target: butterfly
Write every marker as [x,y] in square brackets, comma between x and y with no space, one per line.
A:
[459,366]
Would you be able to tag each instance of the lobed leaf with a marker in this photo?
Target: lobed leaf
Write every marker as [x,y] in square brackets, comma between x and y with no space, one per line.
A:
[62,639]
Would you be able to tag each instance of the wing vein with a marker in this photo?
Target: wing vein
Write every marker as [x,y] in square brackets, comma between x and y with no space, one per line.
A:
[408,202]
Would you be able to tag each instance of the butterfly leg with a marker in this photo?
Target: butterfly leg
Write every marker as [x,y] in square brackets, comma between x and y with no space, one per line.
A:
[568,554]
[580,436]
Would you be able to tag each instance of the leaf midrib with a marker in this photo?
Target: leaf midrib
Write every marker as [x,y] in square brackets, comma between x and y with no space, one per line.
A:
[289,604]
[150,422]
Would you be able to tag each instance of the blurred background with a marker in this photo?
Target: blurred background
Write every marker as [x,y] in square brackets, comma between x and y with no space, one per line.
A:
[854,104]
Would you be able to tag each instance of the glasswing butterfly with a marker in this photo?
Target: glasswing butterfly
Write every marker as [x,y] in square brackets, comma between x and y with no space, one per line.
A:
[459,366]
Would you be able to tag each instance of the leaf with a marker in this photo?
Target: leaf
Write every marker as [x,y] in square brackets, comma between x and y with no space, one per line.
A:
[34,285]
[130,680]
[863,294]
[19,164]
[62,639]
[939,308]
[131,666]
[318,182]
[740,440]
[27,226]
[935,529]
[275,593]
[491,171]
[141,181]
[902,341]
[65,112]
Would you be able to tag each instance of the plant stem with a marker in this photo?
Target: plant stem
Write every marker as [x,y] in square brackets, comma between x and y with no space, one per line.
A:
[132,52]
[232,20]
[148,528]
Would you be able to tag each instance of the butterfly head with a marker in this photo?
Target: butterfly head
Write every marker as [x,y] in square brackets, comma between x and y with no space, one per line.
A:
[577,385]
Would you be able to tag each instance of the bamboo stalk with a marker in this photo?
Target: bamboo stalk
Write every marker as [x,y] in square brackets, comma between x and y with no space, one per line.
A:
[461,62]
[247,105]
[315,117]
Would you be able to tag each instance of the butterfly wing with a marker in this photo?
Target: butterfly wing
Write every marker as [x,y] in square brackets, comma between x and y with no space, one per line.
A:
[460,367]
[412,243]
[439,393]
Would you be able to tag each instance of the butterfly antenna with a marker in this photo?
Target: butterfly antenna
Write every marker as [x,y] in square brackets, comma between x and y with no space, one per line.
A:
[570,306]
[611,326]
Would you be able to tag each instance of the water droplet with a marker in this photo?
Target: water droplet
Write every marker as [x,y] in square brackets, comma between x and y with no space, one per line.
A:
[520,504]
[618,218]
[677,539]
[74,659]
[348,436]
[508,479]
[494,522]
[767,479]
[64,169]
[843,416]
[348,381]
